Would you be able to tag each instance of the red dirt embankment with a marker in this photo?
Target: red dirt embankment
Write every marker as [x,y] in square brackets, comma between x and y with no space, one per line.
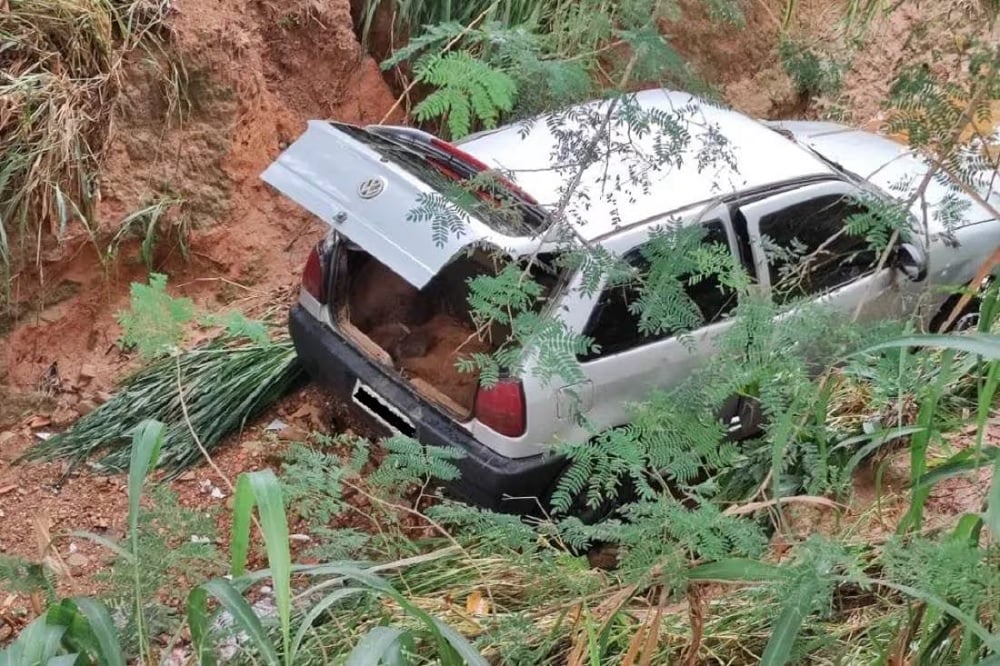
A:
[256,71]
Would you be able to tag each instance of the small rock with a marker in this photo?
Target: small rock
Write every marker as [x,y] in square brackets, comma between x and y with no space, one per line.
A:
[85,407]
[39,421]
[292,434]
[78,560]
[63,416]
[217,493]
[186,476]
[87,372]
[101,523]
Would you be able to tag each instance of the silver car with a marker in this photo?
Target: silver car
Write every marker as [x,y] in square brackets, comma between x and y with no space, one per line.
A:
[383,315]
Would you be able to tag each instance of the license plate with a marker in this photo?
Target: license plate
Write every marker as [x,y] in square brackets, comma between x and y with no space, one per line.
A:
[381,410]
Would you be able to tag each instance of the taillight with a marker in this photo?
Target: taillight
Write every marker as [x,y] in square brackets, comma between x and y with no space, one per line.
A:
[314,274]
[502,408]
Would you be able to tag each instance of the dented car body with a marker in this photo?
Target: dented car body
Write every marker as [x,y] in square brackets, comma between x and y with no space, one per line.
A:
[382,316]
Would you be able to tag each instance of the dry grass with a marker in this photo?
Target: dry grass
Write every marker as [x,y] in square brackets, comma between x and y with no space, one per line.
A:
[60,70]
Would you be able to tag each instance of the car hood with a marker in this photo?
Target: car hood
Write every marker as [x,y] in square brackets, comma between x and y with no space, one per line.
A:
[888,165]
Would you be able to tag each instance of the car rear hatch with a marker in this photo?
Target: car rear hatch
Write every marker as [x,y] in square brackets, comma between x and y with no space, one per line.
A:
[370,189]
[400,281]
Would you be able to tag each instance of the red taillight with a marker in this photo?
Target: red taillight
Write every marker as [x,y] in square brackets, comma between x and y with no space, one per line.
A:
[502,408]
[314,274]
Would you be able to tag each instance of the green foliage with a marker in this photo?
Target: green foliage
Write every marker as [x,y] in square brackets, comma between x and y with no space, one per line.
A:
[410,463]
[147,223]
[225,382]
[813,72]
[467,89]
[155,322]
[73,631]
[23,577]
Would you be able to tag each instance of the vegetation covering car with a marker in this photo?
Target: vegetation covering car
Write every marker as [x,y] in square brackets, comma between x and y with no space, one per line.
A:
[384,315]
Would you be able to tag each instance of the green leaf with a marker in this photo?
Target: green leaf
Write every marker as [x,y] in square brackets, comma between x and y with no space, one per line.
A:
[242,613]
[381,645]
[318,609]
[38,642]
[786,628]
[198,621]
[981,344]
[146,442]
[102,628]
[735,570]
[992,518]
[262,489]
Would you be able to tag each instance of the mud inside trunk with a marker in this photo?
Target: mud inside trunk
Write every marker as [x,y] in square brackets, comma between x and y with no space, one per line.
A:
[420,332]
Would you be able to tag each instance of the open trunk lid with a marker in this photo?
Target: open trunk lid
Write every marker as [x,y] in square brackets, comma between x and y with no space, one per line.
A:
[365,188]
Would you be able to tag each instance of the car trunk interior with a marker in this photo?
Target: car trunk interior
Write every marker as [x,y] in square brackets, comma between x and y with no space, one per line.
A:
[422,333]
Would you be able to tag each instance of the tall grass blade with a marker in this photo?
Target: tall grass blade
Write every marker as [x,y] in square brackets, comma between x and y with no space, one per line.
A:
[102,628]
[243,615]
[318,609]
[735,571]
[992,518]
[382,646]
[262,489]
[786,628]
[982,344]
[146,442]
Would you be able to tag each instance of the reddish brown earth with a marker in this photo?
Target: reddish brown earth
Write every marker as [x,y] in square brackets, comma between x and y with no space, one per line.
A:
[257,72]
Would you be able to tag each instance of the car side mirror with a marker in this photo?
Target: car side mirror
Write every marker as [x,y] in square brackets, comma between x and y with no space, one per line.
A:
[911,261]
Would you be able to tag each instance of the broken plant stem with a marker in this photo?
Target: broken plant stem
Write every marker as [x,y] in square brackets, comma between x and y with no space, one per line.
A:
[197,440]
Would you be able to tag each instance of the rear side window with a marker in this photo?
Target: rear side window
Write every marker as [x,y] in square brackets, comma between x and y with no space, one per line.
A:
[809,251]
[615,327]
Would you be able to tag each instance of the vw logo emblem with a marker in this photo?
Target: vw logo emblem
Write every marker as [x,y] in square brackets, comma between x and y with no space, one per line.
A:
[371,188]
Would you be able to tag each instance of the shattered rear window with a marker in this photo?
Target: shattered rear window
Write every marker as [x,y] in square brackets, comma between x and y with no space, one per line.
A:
[508,213]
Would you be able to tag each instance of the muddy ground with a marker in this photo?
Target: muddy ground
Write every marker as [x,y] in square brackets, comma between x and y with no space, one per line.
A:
[257,71]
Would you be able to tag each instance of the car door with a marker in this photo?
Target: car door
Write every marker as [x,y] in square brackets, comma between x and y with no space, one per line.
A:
[802,251]
[630,363]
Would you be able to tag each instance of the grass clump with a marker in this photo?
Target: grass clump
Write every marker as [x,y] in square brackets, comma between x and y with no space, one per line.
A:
[60,67]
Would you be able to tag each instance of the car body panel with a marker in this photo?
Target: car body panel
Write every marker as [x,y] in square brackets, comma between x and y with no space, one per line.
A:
[322,172]
[526,151]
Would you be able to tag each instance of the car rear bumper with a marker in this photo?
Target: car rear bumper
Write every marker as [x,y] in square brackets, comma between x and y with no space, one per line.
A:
[488,479]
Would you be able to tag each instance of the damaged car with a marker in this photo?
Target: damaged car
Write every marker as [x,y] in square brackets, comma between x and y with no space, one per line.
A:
[383,313]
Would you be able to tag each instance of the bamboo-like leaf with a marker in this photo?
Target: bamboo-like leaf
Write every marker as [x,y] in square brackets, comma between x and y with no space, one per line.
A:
[981,344]
[146,441]
[198,622]
[243,615]
[381,645]
[735,570]
[317,609]
[262,489]
[786,628]
[102,627]
[992,518]
[38,643]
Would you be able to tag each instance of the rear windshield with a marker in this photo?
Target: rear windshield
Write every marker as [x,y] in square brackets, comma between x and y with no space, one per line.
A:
[517,219]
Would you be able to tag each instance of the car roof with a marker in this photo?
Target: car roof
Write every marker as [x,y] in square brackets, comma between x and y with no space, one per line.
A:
[760,157]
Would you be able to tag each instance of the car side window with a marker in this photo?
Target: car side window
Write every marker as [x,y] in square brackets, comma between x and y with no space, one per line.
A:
[615,328]
[809,251]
